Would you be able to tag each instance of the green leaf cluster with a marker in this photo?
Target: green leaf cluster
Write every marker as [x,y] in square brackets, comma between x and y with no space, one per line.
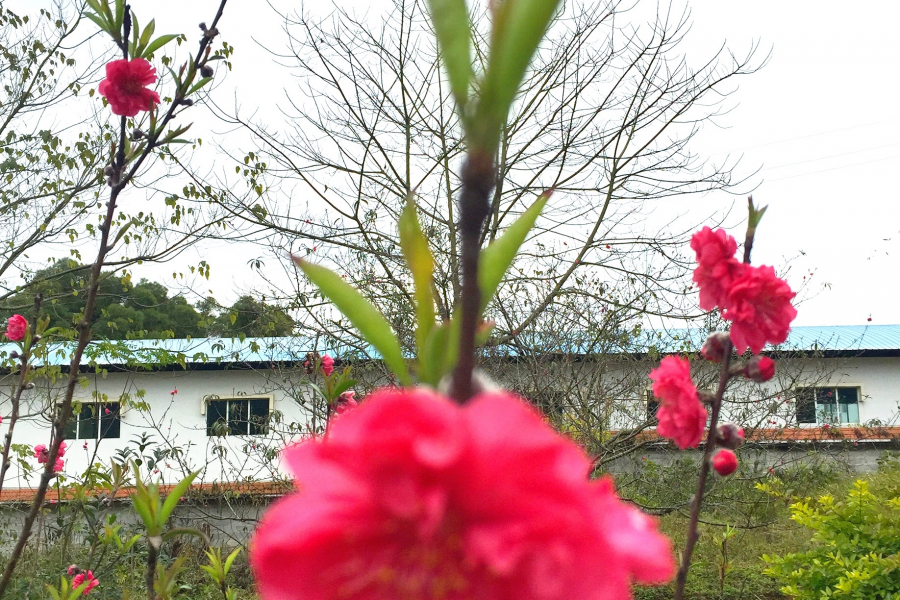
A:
[436,343]
[518,28]
[855,551]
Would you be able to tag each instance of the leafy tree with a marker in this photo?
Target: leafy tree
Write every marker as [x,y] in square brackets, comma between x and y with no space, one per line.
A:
[253,318]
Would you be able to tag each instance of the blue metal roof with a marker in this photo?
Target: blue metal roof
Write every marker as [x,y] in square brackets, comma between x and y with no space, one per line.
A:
[224,351]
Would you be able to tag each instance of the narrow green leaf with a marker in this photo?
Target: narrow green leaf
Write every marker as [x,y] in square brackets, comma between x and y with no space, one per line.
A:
[174,497]
[120,14]
[139,501]
[230,560]
[147,34]
[518,29]
[496,258]
[198,85]
[365,317]
[94,5]
[421,264]
[99,21]
[434,354]
[157,44]
[451,25]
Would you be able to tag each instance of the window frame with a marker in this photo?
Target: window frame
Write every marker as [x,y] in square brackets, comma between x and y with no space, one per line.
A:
[98,417]
[816,404]
[204,407]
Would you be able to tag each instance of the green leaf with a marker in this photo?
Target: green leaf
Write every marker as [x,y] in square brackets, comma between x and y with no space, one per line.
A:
[177,531]
[198,85]
[120,14]
[99,21]
[174,497]
[157,44]
[365,317]
[496,258]
[421,264]
[148,32]
[437,355]
[519,27]
[230,559]
[451,25]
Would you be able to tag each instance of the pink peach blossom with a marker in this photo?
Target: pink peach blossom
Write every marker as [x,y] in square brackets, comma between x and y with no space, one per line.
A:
[682,417]
[412,496]
[759,307]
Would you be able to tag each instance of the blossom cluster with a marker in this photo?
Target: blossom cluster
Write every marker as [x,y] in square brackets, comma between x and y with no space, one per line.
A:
[754,299]
[42,454]
[758,304]
[16,326]
[413,496]
[80,577]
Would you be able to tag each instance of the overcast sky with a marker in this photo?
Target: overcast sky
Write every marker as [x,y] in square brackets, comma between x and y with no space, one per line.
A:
[820,120]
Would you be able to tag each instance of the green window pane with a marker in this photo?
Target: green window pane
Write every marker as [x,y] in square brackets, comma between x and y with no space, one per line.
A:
[217,417]
[110,423]
[238,417]
[88,422]
[259,416]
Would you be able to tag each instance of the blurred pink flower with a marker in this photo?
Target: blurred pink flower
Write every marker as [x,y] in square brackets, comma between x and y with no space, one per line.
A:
[413,496]
[327,365]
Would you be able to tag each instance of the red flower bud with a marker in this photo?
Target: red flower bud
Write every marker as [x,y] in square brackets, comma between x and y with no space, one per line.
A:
[730,435]
[759,369]
[714,347]
[725,462]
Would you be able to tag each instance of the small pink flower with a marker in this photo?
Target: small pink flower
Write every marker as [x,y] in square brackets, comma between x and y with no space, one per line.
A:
[125,86]
[58,465]
[85,576]
[759,307]
[73,570]
[327,365]
[41,453]
[730,435]
[682,417]
[15,328]
[85,446]
[413,496]
[725,462]
[106,411]
[173,392]
[62,449]
[716,266]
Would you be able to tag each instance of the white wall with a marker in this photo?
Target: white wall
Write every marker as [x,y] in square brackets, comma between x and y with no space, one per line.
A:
[178,420]
[172,421]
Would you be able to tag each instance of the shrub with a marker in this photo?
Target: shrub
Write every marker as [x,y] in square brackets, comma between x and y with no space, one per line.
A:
[855,549]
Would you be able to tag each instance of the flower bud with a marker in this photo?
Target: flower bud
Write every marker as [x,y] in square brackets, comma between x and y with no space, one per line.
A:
[725,462]
[206,71]
[759,369]
[186,102]
[109,171]
[137,134]
[202,26]
[729,435]
[714,347]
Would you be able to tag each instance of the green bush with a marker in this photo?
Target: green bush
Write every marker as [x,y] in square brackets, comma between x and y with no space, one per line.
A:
[855,549]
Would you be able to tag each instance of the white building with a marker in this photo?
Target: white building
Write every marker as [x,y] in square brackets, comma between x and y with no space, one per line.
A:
[226,407]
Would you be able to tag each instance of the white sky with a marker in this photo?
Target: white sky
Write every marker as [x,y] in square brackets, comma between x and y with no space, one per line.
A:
[820,119]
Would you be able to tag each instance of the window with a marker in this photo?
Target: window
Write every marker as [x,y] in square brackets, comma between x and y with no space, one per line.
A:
[237,416]
[828,405]
[95,421]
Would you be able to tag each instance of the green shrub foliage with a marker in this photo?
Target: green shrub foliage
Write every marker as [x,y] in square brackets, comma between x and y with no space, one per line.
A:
[855,551]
